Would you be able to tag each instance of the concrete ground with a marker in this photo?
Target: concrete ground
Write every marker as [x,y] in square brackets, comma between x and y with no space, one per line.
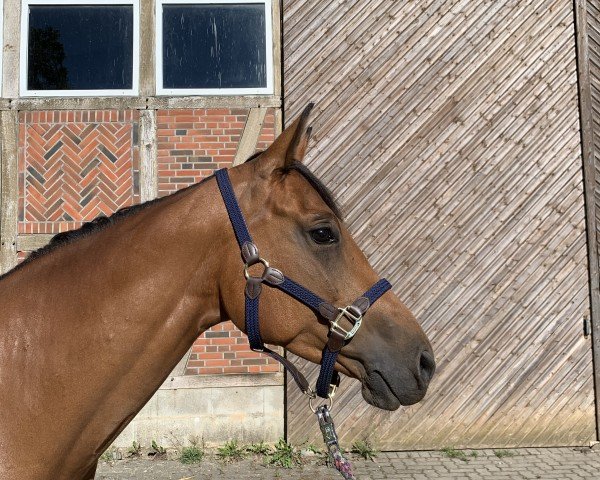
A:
[529,463]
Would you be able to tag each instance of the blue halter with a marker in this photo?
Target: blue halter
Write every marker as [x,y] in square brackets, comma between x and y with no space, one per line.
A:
[338,336]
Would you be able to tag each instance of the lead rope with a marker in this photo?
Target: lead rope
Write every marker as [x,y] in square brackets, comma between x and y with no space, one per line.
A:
[330,438]
[338,336]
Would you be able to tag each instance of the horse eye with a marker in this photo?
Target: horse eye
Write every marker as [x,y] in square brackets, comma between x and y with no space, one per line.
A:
[323,235]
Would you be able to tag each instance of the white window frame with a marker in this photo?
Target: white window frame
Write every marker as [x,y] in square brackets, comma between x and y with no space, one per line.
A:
[160,90]
[23,88]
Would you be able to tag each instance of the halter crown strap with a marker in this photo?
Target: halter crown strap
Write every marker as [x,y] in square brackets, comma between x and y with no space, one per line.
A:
[233,208]
[272,277]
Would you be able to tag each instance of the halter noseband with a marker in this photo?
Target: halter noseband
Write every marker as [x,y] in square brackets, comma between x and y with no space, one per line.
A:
[338,336]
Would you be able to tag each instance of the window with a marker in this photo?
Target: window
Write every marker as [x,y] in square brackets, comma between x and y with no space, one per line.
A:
[214,47]
[73,48]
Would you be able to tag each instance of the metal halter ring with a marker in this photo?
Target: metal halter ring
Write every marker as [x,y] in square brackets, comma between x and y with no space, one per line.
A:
[248,265]
[310,393]
[314,410]
[353,315]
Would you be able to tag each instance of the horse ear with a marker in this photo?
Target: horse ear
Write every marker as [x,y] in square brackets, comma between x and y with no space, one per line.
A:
[291,145]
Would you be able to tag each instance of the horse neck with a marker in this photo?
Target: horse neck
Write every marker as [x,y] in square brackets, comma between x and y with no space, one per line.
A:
[109,316]
[154,268]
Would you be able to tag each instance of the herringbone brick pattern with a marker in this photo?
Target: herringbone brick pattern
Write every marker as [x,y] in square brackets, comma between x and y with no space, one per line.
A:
[74,166]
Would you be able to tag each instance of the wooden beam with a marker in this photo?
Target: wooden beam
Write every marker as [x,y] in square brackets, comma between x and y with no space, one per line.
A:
[250,135]
[278,122]
[8,190]
[589,181]
[148,156]
[277,63]
[11,42]
[146,53]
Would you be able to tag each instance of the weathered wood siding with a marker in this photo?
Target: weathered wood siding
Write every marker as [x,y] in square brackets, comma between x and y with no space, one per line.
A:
[449,131]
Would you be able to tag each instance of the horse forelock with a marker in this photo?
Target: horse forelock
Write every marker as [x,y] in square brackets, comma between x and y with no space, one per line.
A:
[314,182]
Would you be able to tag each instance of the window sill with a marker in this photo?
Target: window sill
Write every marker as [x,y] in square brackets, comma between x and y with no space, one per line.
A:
[140,102]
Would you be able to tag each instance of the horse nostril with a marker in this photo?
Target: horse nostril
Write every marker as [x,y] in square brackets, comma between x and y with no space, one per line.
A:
[426,367]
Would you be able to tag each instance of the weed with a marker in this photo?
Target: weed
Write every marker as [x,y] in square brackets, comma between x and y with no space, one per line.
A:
[311,447]
[365,449]
[109,455]
[474,454]
[231,451]
[258,448]
[191,454]
[503,453]
[135,450]
[285,455]
[451,452]
[157,450]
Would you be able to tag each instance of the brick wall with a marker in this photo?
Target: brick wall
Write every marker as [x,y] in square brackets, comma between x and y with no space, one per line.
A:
[192,144]
[76,165]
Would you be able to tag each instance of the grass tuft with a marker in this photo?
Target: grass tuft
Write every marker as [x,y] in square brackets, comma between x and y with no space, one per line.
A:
[284,455]
[260,449]
[231,451]
[311,447]
[451,452]
[157,451]
[191,454]
[503,453]
[110,455]
[135,450]
[365,449]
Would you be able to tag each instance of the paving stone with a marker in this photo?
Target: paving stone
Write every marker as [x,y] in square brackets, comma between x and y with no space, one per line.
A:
[543,464]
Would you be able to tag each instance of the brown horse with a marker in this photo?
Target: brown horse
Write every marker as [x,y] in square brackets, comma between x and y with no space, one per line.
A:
[91,325]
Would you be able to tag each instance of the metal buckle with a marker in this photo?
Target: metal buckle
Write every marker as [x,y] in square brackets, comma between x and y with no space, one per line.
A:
[332,389]
[353,315]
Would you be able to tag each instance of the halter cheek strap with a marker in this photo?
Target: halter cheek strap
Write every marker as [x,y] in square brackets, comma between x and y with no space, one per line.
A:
[338,335]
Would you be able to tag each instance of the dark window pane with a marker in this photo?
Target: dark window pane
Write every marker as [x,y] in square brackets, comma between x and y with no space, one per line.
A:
[214,46]
[80,47]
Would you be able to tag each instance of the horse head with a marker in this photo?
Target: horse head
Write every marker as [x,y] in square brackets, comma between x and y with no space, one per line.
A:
[298,228]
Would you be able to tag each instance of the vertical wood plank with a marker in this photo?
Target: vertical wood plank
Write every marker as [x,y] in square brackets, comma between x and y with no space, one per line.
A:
[148,156]
[10,50]
[146,53]
[589,182]
[9,190]
[278,121]
[249,139]
[277,63]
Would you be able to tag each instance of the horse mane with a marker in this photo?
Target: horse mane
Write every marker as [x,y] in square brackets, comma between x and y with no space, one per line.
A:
[88,228]
[102,221]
